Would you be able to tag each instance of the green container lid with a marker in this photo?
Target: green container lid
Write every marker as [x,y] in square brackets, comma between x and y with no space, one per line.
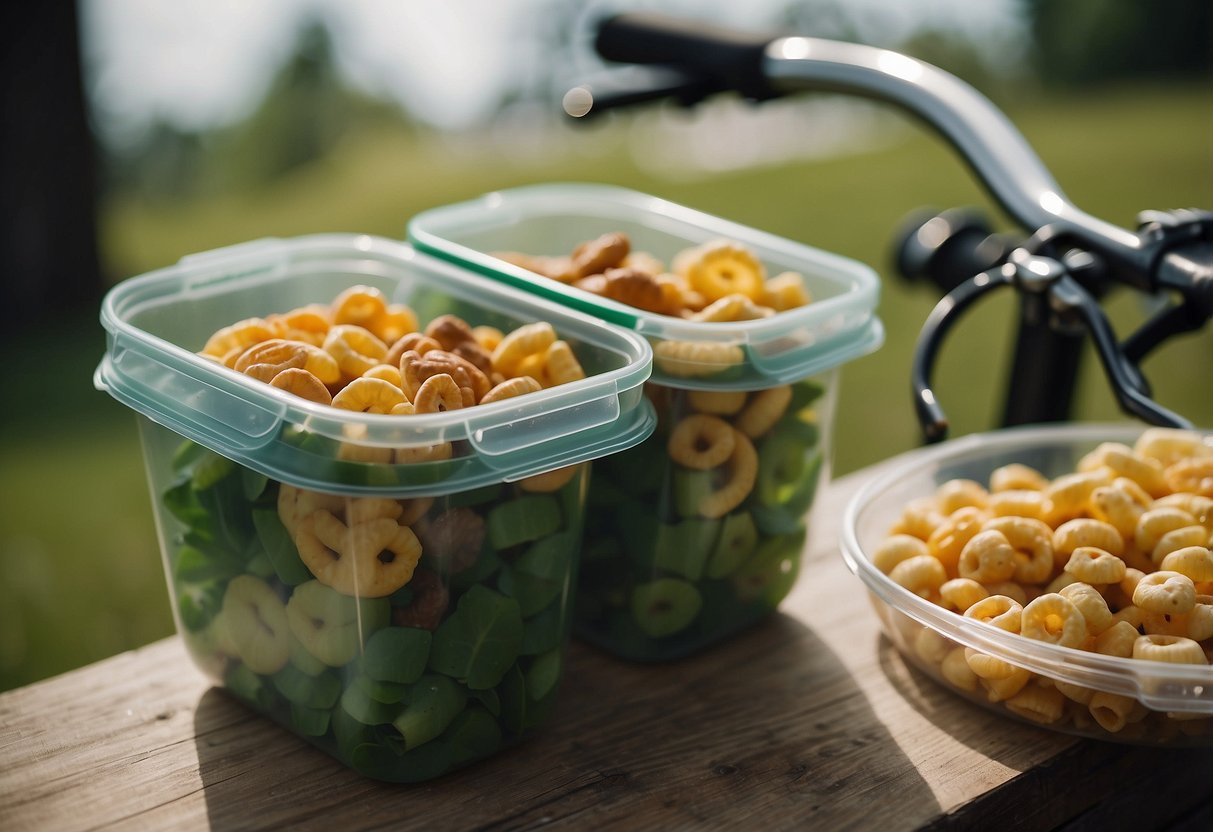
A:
[157,322]
[838,326]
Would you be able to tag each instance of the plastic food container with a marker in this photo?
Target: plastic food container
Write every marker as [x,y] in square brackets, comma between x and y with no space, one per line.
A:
[678,557]
[465,656]
[1087,693]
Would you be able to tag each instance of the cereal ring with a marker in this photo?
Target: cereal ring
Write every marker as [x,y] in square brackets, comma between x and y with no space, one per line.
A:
[1041,705]
[393,323]
[987,556]
[1091,605]
[240,335]
[732,308]
[488,337]
[438,394]
[1117,640]
[562,365]
[896,548]
[998,610]
[1177,649]
[415,369]
[1032,541]
[955,670]
[358,305]
[1192,476]
[1018,502]
[1093,565]
[1156,522]
[1069,496]
[308,324]
[1000,690]
[716,402]
[742,469]
[1054,619]
[1201,508]
[930,645]
[508,389]
[1112,711]
[371,559]
[766,407]
[413,509]
[922,574]
[356,349]
[535,366]
[1200,620]
[415,341]
[1169,445]
[701,442]
[959,594]
[369,395]
[385,372]
[920,518]
[1163,624]
[690,359]
[1194,561]
[949,538]
[1017,477]
[724,268]
[1085,531]
[958,493]
[1010,589]
[303,384]
[1146,472]
[1177,539]
[1116,507]
[986,666]
[523,341]
[1165,592]
[272,357]
[785,291]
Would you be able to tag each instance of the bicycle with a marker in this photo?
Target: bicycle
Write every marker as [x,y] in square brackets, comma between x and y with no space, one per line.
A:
[1062,268]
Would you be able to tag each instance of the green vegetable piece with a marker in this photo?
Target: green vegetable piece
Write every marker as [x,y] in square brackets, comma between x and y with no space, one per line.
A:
[473,735]
[514,703]
[543,632]
[475,496]
[683,548]
[209,470]
[781,464]
[260,566]
[389,693]
[186,454]
[804,393]
[489,699]
[433,703]
[548,558]
[356,702]
[523,520]
[396,654]
[543,675]
[182,502]
[770,574]
[690,488]
[321,691]
[665,606]
[479,572]
[250,687]
[192,565]
[309,722]
[199,603]
[252,483]
[480,640]
[279,548]
[532,594]
[738,537]
[304,661]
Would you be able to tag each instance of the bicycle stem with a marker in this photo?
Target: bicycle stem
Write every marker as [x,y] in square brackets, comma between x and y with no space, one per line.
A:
[985,138]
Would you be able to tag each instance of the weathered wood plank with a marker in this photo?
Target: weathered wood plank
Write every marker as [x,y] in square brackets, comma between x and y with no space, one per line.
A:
[811,718]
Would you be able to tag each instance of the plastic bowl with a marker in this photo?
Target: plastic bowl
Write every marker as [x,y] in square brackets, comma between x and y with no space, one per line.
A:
[284,524]
[684,549]
[1094,695]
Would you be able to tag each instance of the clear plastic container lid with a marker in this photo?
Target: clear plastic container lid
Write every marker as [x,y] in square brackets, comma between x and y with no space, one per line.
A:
[157,321]
[838,326]
[1053,450]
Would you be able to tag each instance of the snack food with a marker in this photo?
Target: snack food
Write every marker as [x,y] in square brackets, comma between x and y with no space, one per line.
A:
[1109,591]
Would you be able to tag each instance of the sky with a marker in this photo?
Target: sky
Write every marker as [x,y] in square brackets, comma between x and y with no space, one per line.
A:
[206,63]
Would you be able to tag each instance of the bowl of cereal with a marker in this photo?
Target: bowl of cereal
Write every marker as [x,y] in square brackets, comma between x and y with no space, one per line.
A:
[1059,575]
[697,533]
[370,521]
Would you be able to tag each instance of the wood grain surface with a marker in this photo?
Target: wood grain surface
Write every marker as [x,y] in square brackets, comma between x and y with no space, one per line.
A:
[811,720]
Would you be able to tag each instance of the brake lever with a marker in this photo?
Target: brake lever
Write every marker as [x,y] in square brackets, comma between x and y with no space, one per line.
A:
[628,86]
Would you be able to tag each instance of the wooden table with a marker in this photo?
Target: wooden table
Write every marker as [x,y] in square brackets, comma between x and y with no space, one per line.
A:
[811,720]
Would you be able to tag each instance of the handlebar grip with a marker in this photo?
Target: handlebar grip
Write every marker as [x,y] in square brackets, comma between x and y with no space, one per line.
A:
[733,59]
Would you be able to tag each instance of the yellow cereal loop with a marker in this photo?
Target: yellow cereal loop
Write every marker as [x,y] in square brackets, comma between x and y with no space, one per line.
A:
[1091,605]
[528,339]
[1093,565]
[240,335]
[1146,472]
[535,366]
[950,536]
[919,518]
[1085,531]
[355,349]
[724,268]
[1201,508]
[307,323]
[1017,477]
[988,556]
[1075,693]
[1054,619]
[985,666]
[922,574]
[369,395]
[786,290]
[693,359]
[393,323]
[1156,522]
[562,365]
[1200,619]
[1111,710]
[742,470]
[1018,502]
[1038,704]
[896,548]
[959,493]
[1069,495]
[1193,476]
[999,611]
[371,559]
[930,645]
[1162,624]
[358,305]
[1000,690]
[765,408]
[730,308]
[1165,592]
[955,669]
[303,384]
[1032,541]
[716,402]
[959,594]
[1175,649]
[438,394]
[1169,445]
[1010,589]
[1117,640]
[488,337]
[701,442]
[385,372]
[508,389]
[1177,539]
[1116,507]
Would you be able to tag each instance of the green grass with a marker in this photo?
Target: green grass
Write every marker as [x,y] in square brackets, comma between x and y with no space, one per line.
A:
[80,574]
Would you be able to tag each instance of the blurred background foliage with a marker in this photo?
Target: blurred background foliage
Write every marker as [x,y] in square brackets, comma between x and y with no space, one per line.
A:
[1116,97]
